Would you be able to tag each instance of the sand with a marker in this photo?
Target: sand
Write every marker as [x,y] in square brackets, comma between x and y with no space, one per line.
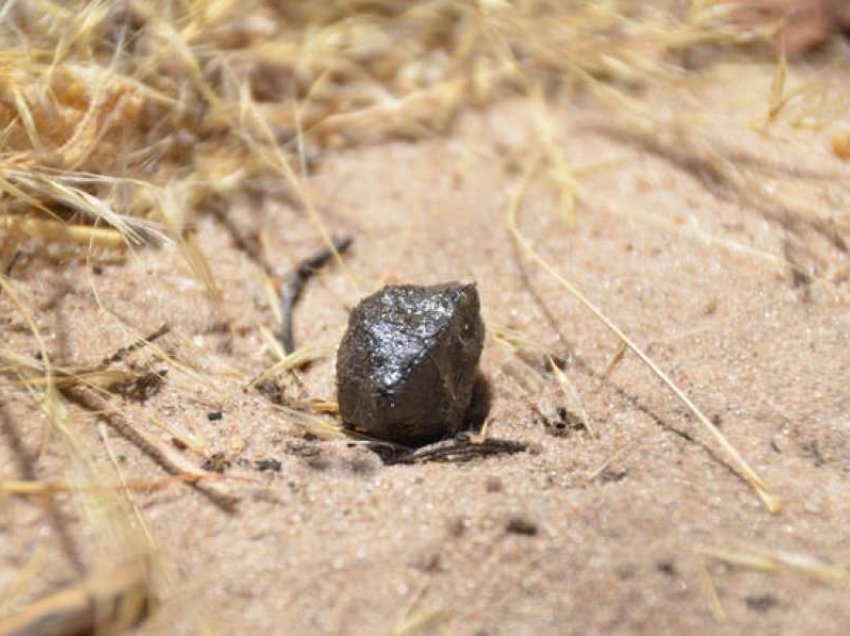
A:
[581,534]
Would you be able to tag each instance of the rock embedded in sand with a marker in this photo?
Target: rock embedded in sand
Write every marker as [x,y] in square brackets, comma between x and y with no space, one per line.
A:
[406,367]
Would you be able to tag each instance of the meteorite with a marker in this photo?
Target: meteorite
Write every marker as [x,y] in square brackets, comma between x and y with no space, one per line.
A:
[406,367]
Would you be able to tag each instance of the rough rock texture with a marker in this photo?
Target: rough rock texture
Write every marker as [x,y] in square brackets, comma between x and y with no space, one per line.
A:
[407,364]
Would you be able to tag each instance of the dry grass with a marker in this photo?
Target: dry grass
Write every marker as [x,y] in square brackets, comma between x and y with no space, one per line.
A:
[131,115]
[779,562]
[772,502]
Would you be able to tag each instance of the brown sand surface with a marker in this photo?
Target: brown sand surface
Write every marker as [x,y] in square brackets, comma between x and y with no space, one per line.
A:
[615,525]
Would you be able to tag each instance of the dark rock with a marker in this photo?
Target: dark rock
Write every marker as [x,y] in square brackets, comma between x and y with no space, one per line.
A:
[406,368]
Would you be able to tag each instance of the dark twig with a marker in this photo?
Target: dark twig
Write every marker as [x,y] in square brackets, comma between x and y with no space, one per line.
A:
[158,452]
[249,245]
[123,352]
[459,449]
[294,282]
[13,260]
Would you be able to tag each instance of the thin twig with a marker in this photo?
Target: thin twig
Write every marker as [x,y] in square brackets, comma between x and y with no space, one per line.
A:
[123,352]
[779,561]
[458,449]
[162,454]
[711,593]
[615,360]
[37,488]
[293,285]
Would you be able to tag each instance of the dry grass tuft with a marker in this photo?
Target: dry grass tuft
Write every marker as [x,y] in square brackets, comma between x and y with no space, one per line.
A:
[131,115]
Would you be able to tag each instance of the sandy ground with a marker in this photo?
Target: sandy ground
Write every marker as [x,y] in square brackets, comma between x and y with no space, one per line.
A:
[336,543]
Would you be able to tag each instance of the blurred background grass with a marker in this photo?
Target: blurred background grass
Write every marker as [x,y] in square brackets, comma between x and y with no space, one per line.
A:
[129,117]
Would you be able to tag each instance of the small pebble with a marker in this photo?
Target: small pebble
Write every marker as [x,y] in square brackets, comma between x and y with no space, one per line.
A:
[521,525]
[268,464]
